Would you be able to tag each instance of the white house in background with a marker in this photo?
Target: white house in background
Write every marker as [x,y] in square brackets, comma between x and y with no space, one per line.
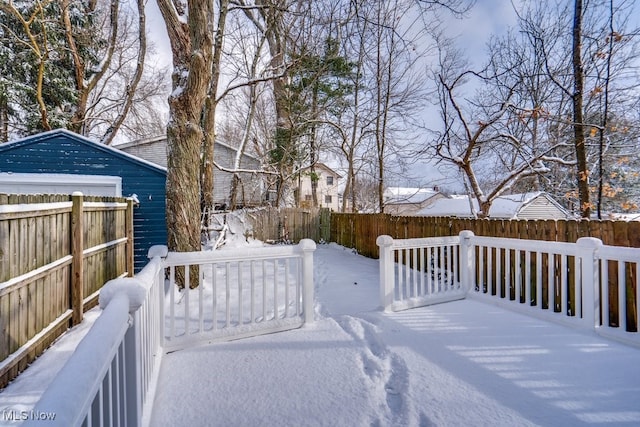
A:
[326,190]
[409,201]
[535,205]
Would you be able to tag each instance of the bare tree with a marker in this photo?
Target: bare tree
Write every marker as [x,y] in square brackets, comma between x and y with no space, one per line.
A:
[493,138]
[75,50]
[211,105]
[397,90]
[190,32]
[590,60]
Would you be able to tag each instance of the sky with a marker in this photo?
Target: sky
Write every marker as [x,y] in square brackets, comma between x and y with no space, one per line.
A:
[454,364]
[471,34]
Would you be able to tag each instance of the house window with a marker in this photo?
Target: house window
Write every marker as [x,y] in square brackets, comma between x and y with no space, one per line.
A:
[327,199]
[329,180]
[307,197]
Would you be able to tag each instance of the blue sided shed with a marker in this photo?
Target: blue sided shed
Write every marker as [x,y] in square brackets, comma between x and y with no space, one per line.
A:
[64,152]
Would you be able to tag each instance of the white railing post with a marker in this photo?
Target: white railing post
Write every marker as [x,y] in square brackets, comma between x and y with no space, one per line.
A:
[590,274]
[385,244]
[136,291]
[133,379]
[307,246]
[467,261]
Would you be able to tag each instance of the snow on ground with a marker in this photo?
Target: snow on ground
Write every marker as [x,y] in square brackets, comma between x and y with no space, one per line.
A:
[25,391]
[459,363]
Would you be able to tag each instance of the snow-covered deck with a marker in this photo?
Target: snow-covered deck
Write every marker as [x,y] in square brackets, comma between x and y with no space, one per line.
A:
[458,363]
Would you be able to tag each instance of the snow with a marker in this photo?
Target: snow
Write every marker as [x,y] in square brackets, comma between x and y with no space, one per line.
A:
[459,363]
[408,194]
[504,206]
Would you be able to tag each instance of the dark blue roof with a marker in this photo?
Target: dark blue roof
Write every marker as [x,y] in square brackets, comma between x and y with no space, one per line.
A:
[64,152]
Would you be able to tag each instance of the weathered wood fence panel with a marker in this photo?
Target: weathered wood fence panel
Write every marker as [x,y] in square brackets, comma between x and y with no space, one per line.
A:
[359,231]
[46,284]
[289,224]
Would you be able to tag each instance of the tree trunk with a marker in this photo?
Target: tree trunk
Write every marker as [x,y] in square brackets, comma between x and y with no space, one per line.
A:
[206,167]
[192,47]
[578,119]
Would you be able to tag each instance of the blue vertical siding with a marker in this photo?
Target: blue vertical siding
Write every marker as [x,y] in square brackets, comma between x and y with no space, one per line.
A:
[62,151]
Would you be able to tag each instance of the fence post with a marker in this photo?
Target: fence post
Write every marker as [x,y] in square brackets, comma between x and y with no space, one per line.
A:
[128,227]
[467,261]
[307,246]
[590,274]
[77,262]
[385,244]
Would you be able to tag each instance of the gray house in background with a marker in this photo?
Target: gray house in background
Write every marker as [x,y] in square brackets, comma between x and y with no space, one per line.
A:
[251,189]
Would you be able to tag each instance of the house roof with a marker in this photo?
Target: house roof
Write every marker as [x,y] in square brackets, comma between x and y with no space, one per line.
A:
[505,206]
[412,195]
[622,216]
[454,205]
[325,167]
[159,138]
[34,139]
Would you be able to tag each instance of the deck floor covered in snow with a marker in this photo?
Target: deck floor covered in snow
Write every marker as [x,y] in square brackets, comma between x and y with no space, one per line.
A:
[453,364]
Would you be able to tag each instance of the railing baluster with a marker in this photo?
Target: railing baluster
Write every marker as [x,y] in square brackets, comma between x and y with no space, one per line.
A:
[539,280]
[275,290]
[187,305]
[240,301]
[527,278]
[406,283]
[421,269]
[564,288]
[214,297]
[579,307]
[253,289]
[455,266]
[551,279]
[429,270]
[286,288]
[227,273]
[622,291]
[604,290]
[414,265]
[518,276]
[172,314]
[264,291]
[299,285]
[200,300]
[482,280]
[488,285]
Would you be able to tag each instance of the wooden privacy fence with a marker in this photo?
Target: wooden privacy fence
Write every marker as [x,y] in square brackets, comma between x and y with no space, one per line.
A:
[56,252]
[359,231]
[289,224]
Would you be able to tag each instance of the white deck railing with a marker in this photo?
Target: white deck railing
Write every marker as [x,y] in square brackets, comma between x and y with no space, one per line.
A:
[584,284]
[241,293]
[110,379]
[417,272]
